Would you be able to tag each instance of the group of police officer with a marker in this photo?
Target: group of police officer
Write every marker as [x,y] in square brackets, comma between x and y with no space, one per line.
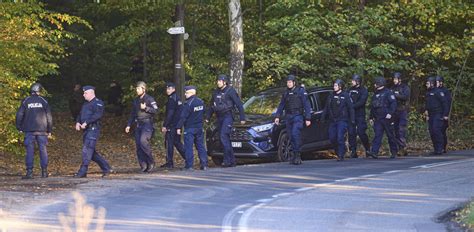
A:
[345,110]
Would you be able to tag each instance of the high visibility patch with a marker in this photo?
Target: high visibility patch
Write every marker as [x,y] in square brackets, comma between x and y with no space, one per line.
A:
[392,96]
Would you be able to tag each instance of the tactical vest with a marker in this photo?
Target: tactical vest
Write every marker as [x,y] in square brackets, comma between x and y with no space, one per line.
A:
[221,104]
[355,95]
[337,105]
[293,104]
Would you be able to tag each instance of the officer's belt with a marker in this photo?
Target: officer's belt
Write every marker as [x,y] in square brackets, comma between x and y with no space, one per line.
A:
[294,111]
[144,120]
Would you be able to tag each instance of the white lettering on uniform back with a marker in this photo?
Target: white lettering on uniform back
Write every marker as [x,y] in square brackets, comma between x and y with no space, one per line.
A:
[198,108]
[35,105]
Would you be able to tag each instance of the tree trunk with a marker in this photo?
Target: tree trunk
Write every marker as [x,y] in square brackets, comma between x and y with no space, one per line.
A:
[236,45]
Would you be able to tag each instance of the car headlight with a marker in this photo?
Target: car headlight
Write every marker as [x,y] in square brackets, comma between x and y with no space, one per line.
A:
[264,127]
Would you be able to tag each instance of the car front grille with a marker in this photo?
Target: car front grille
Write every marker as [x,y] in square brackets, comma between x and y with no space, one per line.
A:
[240,135]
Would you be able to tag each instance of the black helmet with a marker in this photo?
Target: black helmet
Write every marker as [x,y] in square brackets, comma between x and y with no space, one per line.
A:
[397,75]
[357,79]
[439,78]
[340,83]
[380,81]
[223,77]
[431,80]
[36,88]
[141,84]
[291,77]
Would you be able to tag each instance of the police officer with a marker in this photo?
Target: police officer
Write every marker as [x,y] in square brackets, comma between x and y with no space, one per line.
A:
[437,111]
[224,99]
[172,112]
[359,97]
[449,98]
[341,112]
[144,107]
[297,109]
[191,118]
[89,121]
[382,109]
[400,118]
[34,119]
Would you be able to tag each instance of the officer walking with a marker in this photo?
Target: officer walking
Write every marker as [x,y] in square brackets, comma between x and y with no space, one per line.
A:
[144,107]
[341,112]
[89,121]
[224,99]
[400,118]
[437,111]
[449,98]
[191,118]
[173,112]
[297,109]
[34,119]
[359,97]
[382,109]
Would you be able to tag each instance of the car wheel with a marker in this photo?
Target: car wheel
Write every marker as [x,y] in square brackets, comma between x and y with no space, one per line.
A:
[217,160]
[284,148]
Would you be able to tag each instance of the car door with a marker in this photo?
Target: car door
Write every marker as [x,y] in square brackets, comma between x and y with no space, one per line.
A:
[308,132]
[323,124]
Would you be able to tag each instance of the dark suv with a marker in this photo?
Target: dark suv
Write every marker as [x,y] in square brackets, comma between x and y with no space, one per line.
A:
[261,138]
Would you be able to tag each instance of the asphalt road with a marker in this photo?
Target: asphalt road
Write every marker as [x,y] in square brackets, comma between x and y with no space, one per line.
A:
[404,194]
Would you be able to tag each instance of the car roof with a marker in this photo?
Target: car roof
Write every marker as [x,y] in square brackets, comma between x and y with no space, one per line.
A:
[311,89]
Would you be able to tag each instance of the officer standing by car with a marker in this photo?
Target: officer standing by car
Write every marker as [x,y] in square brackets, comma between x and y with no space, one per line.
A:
[438,112]
[340,110]
[192,117]
[144,108]
[34,119]
[224,100]
[449,98]
[382,109]
[89,121]
[359,97]
[172,114]
[400,118]
[297,109]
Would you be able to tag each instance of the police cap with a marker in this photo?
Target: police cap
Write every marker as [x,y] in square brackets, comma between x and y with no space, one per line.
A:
[189,87]
[88,87]
[170,84]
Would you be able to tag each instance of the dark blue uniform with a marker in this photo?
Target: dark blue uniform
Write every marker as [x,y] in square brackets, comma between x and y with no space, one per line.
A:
[144,131]
[359,97]
[437,107]
[340,110]
[297,109]
[222,103]
[35,120]
[192,117]
[173,112]
[91,113]
[400,118]
[383,103]
[449,99]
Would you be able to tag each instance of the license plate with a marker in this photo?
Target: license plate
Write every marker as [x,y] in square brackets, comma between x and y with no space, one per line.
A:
[236,144]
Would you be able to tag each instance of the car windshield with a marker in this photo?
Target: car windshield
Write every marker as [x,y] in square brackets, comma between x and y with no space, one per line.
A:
[265,104]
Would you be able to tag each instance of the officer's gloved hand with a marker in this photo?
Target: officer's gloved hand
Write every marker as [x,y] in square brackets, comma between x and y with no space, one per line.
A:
[178,131]
[78,126]
[308,123]
[388,116]
[127,129]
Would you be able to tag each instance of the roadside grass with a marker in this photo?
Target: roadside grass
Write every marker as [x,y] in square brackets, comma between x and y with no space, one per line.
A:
[465,217]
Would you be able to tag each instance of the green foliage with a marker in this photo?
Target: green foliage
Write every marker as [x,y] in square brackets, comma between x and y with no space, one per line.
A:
[30,41]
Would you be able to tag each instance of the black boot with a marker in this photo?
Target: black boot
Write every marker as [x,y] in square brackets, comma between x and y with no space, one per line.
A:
[44,173]
[373,155]
[29,174]
[297,159]
[82,173]
[354,154]
[393,155]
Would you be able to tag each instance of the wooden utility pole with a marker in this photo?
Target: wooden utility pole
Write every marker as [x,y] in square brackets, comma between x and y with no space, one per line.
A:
[178,51]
